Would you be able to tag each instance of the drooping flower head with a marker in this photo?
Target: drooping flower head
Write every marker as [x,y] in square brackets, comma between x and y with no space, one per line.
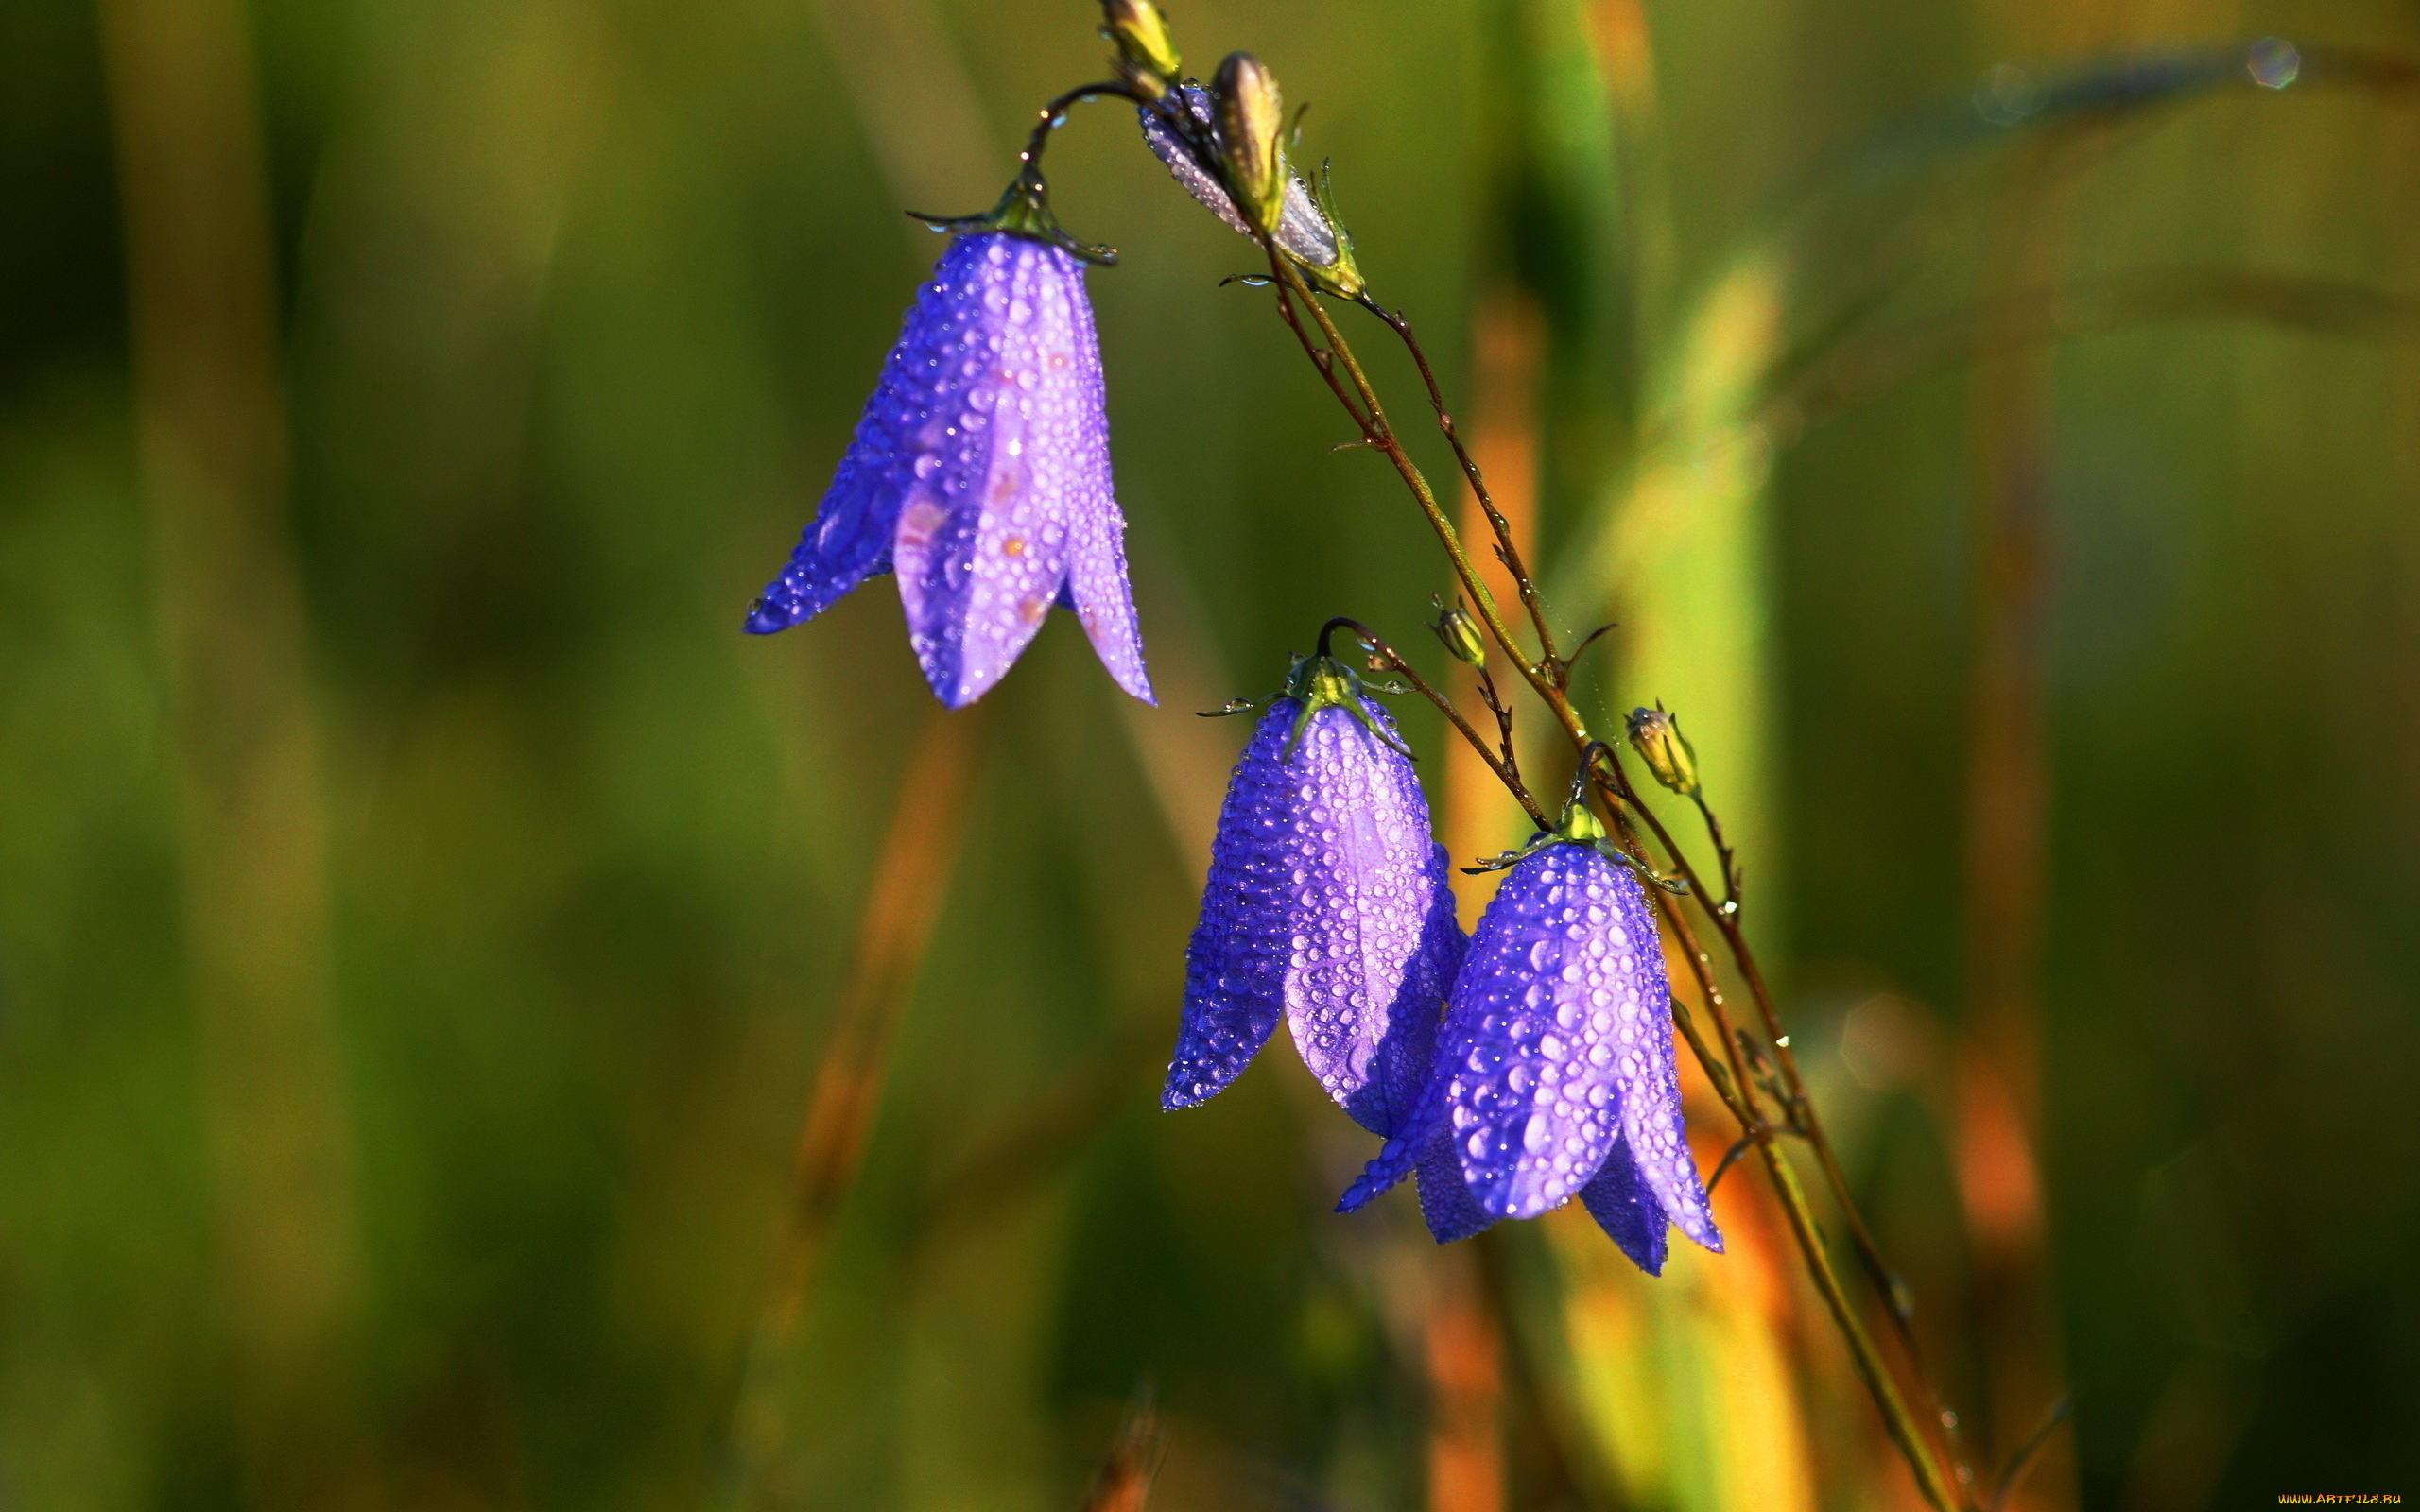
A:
[1554,1073]
[1326,905]
[979,473]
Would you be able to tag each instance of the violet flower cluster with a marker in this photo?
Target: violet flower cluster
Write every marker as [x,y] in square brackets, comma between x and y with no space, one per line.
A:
[1507,1072]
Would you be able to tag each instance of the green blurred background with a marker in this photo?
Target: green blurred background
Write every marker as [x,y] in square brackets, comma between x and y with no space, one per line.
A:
[424,918]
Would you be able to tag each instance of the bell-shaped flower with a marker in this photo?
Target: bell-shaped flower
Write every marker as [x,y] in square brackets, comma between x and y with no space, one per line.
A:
[1554,1073]
[1326,905]
[979,473]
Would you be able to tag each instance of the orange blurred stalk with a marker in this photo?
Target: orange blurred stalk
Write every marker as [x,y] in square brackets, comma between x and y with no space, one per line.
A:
[919,853]
[2007,860]
[1465,1387]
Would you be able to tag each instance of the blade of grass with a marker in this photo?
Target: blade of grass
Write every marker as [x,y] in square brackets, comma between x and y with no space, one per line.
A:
[231,620]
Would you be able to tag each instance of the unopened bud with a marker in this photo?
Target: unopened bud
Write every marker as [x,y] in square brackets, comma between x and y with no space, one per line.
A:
[1656,736]
[1460,632]
[1249,117]
[1147,58]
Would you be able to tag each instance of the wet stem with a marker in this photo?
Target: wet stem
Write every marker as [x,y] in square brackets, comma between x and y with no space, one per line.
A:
[1334,358]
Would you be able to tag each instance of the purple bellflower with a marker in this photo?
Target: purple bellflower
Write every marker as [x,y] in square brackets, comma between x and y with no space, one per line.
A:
[1554,1073]
[1326,905]
[979,474]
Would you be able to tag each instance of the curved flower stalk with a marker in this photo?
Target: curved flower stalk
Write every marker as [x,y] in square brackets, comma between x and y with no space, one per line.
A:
[1554,1073]
[979,473]
[1326,905]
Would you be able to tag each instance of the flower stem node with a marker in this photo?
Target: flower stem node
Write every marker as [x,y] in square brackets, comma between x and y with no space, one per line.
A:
[1247,119]
[1656,736]
[1579,825]
[1147,57]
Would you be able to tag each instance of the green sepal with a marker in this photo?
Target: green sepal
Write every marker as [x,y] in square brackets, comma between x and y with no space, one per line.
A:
[1023,211]
[1341,278]
[1317,682]
[1579,825]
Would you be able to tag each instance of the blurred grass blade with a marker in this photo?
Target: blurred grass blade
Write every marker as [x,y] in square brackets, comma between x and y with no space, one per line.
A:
[2007,828]
[1508,348]
[918,110]
[910,877]
[1675,548]
[1689,1379]
[212,433]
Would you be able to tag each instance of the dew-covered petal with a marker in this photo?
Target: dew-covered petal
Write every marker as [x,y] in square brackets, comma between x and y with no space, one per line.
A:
[1328,892]
[1368,890]
[1445,1201]
[1096,588]
[983,542]
[1198,179]
[1531,1034]
[1412,1138]
[1404,1049]
[1235,966]
[1628,1213]
[1650,1080]
[907,443]
[1405,1099]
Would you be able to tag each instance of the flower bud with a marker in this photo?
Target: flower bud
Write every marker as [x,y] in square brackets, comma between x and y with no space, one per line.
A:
[1146,59]
[1656,736]
[1460,632]
[1249,118]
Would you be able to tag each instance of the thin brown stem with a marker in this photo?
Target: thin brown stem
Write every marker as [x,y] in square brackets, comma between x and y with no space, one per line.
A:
[1320,358]
[1503,713]
[1382,437]
[1724,855]
[1508,549]
[1505,772]
[1054,115]
[1898,1420]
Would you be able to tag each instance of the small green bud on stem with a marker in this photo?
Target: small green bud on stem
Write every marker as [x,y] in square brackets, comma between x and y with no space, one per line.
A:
[1249,117]
[1656,736]
[1460,632]
[1147,58]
